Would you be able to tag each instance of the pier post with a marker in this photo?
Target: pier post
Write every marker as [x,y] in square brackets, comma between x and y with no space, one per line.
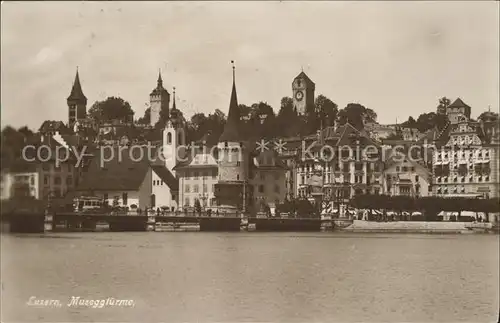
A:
[151,222]
[48,223]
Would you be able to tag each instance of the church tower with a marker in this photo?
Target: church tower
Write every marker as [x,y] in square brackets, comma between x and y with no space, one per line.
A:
[174,136]
[233,158]
[303,92]
[159,101]
[77,102]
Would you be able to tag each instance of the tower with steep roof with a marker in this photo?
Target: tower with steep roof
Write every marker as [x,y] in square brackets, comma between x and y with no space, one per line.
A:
[303,92]
[77,102]
[159,101]
[174,137]
[233,160]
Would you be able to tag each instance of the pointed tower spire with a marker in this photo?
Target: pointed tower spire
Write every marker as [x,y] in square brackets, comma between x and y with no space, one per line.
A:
[160,81]
[173,103]
[76,91]
[231,130]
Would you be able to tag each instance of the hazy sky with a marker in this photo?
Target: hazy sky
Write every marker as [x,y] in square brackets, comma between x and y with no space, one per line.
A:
[397,58]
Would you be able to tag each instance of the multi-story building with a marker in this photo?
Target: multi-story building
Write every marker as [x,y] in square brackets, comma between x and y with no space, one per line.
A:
[23,179]
[403,176]
[347,160]
[268,179]
[464,162]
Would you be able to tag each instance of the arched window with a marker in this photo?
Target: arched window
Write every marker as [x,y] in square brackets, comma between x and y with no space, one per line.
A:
[169,138]
[153,200]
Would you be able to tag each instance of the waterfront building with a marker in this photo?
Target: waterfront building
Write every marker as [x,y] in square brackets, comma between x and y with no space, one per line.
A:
[351,165]
[44,176]
[268,179]
[198,174]
[21,179]
[123,176]
[465,161]
[231,190]
[405,177]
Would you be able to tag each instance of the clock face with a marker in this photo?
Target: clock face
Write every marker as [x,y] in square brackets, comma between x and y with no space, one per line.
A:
[299,95]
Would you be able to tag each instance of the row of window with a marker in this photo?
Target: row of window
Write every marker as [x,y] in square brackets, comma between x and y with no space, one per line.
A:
[462,179]
[345,167]
[196,174]
[196,187]
[191,201]
[464,154]
[446,190]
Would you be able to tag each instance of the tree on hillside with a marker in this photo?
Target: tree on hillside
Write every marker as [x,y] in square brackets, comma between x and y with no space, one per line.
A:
[487,115]
[357,115]
[410,123]
[146,119]
[327,110]
[113,108]
[287,120]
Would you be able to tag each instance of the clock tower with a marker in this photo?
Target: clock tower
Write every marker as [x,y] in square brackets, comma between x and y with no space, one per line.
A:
[303,92]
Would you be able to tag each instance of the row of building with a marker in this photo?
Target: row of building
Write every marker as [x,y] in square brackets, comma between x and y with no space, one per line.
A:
[236,174]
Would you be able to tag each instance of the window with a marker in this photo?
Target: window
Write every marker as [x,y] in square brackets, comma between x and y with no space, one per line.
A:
[169,138]
[186,188]
[125,198]
[57,180]
[69,180]
[397,168]
[261,188]
[205,187]
[416,178]
[46,180]
[195,188]
[186,201]
[405,169]
[237,177]
[214,173]
[179,139]
[276,188]
[262,176]
[195,175]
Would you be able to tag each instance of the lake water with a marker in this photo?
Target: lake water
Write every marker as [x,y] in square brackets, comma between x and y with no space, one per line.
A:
[252,277]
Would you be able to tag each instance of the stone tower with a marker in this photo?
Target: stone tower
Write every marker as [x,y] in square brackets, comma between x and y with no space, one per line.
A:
[159,101]
[77,102]
[233,158]
[303,92]
[174,137]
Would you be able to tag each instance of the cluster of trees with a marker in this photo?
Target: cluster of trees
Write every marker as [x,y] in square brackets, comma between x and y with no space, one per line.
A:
[13,141]
[113,108]
[429,206]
